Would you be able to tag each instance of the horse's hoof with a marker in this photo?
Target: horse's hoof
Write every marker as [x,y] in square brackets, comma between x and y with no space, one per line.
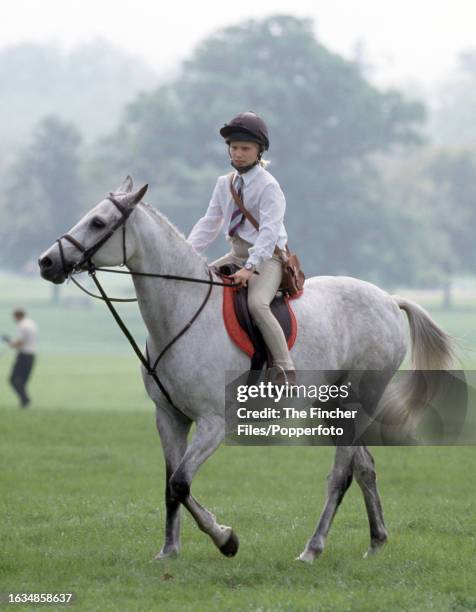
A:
[230,547]
[374,548]
[306,557]
[166,554]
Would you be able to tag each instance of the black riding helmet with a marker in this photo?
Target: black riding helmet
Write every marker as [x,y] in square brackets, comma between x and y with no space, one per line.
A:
[246,127]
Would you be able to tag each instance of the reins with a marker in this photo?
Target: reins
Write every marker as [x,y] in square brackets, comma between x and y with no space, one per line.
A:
[145,359]
[85,260]
[150,275]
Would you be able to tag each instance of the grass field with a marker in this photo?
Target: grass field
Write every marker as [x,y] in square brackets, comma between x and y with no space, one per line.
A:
[82,496]
[82,511]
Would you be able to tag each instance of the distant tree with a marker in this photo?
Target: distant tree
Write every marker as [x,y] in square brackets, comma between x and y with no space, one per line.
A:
[436,190]
[452,105]
[89,85]
[454,175]
[325,119]
[42,195]
[424,256]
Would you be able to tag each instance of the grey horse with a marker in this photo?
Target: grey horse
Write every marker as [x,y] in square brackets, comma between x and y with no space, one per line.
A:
[344,324]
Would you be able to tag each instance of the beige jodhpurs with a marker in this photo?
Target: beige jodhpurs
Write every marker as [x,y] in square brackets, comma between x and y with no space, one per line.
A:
[262,288]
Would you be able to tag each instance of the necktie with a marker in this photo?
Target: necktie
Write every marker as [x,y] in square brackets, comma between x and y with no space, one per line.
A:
[237,216]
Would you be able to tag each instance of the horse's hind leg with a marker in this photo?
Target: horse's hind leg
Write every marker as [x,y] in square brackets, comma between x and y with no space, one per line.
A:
[208,436]
[173,431]
[339,480]
[364,472]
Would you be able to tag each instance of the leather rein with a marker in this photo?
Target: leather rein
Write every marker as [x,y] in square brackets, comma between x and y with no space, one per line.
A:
[86,261]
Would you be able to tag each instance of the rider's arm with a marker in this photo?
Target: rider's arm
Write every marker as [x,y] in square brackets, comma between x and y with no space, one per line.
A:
[271,214]
[207,228]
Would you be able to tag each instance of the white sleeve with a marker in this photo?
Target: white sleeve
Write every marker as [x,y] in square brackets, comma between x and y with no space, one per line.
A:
[22,335]
[207,228]
[271,215]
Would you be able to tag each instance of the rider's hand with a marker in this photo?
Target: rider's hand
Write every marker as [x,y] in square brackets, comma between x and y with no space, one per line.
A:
[242,276]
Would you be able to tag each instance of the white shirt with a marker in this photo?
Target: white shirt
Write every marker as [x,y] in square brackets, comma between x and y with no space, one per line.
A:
[27,331]
[263,197]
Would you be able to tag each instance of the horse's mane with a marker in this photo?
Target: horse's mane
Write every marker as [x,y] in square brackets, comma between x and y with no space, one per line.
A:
[170,228]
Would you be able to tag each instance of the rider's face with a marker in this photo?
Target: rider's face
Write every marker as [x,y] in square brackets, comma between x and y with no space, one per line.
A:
[243,153]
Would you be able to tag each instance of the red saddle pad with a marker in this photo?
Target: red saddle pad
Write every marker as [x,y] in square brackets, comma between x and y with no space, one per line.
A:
[238,334]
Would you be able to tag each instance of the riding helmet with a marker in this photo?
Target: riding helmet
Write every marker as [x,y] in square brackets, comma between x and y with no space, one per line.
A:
[247,127]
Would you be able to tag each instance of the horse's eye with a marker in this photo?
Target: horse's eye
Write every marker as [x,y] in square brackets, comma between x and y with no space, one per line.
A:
[98,223]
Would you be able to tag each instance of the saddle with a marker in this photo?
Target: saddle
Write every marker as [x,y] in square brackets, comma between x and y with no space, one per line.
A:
[241,327]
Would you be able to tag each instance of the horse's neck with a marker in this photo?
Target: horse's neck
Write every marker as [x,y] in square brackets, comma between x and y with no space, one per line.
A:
[166,305]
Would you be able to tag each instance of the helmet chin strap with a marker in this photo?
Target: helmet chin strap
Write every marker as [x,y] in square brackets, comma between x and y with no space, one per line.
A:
[243,169]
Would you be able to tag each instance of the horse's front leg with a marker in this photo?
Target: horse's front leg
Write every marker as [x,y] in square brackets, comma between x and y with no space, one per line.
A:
[208,436]
[173,430]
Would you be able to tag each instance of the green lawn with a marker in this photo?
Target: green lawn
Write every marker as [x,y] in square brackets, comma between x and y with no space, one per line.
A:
[82,511]
[82,484]
[78,382]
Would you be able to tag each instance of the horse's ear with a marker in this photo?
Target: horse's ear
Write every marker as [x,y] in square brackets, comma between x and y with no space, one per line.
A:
[134,198]
[125,187]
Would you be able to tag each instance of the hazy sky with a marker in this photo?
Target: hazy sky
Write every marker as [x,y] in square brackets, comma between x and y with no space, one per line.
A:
[404,40]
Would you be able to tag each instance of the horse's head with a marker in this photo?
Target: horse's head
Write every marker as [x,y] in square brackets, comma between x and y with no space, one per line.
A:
[98,238]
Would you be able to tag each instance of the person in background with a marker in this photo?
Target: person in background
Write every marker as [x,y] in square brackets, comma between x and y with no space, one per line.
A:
[25,343]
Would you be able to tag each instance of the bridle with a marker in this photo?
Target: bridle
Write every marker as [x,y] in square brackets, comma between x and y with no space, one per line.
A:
[85,263]
[87,253]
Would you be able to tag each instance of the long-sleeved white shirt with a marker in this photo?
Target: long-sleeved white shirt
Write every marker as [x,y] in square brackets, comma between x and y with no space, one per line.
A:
[263,198]
[27,336]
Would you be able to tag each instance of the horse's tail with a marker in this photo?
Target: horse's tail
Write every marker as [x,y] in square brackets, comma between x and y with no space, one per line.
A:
[431,349]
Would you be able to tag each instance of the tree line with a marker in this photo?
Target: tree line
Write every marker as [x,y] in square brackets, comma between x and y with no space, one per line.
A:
[367,194]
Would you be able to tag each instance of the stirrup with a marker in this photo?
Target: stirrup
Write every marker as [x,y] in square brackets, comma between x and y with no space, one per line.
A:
[274,371]
[283,377]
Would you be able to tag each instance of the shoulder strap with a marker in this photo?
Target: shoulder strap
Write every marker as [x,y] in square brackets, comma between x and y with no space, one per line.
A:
[239,202]
[248,215]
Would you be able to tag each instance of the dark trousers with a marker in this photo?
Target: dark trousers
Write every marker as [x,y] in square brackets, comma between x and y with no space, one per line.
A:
[20,374]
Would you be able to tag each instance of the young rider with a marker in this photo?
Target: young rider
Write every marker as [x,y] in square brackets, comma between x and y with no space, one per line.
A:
[247,138]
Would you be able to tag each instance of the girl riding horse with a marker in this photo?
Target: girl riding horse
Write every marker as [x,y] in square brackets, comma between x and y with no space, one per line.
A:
[252,250]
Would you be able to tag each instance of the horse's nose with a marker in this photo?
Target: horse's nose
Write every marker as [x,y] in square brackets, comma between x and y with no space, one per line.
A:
[45,262]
